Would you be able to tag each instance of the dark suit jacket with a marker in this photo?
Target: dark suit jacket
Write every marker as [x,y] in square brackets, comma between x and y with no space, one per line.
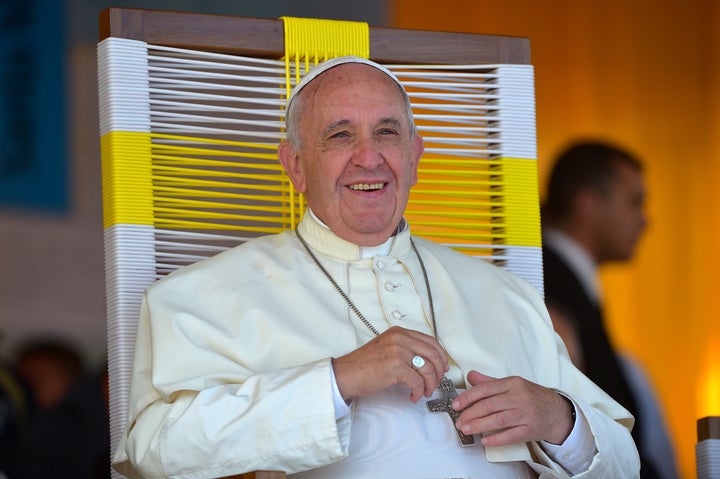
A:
[564,290]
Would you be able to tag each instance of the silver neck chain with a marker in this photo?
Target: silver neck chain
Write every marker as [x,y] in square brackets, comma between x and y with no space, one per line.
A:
[349,302]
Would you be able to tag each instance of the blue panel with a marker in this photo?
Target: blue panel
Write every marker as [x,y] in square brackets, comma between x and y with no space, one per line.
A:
[33,156]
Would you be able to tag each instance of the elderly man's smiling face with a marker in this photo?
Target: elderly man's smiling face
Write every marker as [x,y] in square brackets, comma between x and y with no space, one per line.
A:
[357,157]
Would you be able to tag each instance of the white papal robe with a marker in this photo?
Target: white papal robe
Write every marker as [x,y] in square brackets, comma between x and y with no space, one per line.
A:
[232,367]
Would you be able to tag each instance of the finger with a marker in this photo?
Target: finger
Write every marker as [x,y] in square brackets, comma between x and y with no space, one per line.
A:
[400,347]
[488,416]
[416,382]
[476,377]
[429,348]
[503,437]
[429,373]
[435,358]
[483,386]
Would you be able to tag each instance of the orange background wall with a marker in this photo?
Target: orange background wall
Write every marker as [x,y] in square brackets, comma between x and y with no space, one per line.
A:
[645,74]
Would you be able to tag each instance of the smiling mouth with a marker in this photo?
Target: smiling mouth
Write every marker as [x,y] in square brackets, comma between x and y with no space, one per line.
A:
[366,186]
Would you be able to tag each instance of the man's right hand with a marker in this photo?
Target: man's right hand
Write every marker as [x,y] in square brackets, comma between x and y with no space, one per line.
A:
[387,360]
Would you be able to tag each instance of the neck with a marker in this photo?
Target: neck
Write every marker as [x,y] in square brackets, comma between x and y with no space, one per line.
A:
[583,235]
[381,241]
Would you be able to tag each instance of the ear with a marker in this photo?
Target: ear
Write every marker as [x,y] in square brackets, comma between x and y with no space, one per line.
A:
[589,205]
[418,148]
[290,160]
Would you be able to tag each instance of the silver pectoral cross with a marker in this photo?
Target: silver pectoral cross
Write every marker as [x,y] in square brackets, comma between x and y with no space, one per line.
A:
[444,404]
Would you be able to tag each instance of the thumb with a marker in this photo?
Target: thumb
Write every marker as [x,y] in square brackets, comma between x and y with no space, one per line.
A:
[476,377]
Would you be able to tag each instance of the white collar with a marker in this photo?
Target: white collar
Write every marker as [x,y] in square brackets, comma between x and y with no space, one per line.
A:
[577,258]
[370,251]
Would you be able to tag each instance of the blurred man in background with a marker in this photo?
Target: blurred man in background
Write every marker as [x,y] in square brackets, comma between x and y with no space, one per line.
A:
[594,214]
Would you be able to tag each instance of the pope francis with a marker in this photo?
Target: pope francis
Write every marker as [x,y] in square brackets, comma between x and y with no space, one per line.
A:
[350,348]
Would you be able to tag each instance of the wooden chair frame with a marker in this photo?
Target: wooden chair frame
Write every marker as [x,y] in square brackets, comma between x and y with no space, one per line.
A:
[264,38]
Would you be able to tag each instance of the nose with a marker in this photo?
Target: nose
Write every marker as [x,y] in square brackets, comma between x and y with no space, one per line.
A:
[366,154]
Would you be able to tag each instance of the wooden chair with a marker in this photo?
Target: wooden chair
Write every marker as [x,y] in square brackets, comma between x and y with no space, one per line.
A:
[185,177]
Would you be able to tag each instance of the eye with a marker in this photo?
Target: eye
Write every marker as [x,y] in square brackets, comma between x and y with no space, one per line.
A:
[388,131]
[340,134]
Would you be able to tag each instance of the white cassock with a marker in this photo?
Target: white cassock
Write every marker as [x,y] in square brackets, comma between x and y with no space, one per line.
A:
[232,367]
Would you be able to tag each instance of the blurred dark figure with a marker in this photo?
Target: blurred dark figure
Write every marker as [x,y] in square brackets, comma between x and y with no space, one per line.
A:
[594,214]
[64,432]
[12,409]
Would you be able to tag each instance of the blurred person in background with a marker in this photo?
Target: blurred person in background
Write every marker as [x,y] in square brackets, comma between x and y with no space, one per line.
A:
[12,407]
[594,214]
[64,432]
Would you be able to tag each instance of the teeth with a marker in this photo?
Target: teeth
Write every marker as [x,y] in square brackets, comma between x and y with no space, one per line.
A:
[366,186]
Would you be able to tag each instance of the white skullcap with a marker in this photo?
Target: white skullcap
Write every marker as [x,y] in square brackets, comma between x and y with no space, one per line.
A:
[326,65]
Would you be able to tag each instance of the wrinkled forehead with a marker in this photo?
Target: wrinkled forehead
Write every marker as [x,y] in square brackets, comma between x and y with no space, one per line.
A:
[321,68]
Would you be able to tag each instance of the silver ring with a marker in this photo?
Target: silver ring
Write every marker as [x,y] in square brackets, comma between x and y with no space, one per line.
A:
[418,361]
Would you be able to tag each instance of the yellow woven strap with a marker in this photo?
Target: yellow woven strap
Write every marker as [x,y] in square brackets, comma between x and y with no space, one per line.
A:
[476,202]
[515,199]
[178,182]
[126,178]
[309,41]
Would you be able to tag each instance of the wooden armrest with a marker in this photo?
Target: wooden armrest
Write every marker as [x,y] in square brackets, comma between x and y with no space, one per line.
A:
[708,428]
[258,475]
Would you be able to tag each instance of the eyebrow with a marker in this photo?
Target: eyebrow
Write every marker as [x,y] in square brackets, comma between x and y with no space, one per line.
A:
[391,121]
[342,123]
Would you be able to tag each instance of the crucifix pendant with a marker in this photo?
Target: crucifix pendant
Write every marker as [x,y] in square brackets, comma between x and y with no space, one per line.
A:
[444,404]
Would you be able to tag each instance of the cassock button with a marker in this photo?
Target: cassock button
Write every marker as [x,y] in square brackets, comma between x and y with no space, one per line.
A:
[380,265]
[397,315]
[390,287]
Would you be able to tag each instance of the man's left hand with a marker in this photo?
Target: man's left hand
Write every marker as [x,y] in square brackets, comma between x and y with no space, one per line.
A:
[512,410]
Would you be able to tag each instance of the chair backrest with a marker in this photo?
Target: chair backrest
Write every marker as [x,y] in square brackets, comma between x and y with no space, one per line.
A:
[191,110]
